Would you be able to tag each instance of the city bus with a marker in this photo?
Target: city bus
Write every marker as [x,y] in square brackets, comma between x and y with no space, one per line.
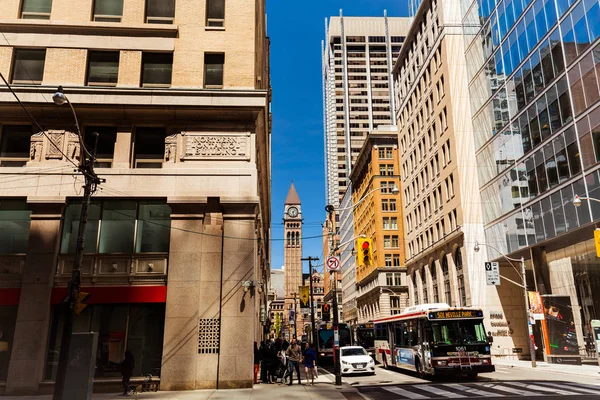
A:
[434,339]
[365,336]
[325,335]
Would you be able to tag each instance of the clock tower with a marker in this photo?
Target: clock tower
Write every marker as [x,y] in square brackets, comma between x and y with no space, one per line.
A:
[292,221]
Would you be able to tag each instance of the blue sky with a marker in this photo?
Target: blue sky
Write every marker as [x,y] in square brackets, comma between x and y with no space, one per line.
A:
[296,30]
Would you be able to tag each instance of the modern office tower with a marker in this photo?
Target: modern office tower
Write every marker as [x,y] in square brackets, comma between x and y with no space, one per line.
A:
[534,90]
[380,282]
[441,203]
[358,56]
[178,234]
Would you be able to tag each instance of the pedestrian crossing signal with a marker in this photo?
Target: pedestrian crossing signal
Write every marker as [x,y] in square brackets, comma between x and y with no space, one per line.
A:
[80,305]
[326,310]
[365,251]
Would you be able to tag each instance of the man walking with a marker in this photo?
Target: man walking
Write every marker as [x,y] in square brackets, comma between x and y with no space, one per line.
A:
[294,353]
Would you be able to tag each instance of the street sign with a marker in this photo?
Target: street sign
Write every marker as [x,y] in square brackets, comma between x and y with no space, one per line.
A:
[492,273]
[333,263]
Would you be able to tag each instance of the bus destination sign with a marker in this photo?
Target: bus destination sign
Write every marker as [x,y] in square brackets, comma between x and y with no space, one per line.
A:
[456,314]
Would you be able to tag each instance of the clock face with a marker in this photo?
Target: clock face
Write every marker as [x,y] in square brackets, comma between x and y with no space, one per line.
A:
[292,212]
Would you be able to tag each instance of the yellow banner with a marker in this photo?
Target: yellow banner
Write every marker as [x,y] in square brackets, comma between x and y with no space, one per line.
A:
[597,241]
[304,297]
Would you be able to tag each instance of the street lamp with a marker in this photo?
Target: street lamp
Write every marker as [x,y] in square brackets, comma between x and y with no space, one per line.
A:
[577,200]
[86,167]
[330,209]
[524,286]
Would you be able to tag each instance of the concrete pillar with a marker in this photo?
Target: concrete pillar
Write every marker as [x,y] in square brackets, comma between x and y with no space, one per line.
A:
[122,156]
[541,270]
[28,354]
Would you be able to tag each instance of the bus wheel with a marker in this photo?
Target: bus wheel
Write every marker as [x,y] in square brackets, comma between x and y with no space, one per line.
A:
[472,375]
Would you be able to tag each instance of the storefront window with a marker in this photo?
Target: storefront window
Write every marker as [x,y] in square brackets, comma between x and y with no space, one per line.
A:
[14,226]
[8,320]
[118,227]
[120,327]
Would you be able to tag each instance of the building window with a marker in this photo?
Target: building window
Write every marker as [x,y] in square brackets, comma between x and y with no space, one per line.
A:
[213,70]
[108,10]
[385,153]
[436,295]
[392,204]
[394,223]
[157,69]
[107,136]
[36,9]
[415,289]
[396,260]
[120,327]
[395,307]
[388,260]
[385,205]
[394,241]
[15,218]
[103,68]
[386,223]
[215,13]
[28,66]
[462,293]
[160,11]
[15,145]
[127,227]
[149,147]
[446,275]
[387,242]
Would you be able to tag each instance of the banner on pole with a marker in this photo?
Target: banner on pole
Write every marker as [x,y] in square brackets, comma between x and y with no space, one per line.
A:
[304,297]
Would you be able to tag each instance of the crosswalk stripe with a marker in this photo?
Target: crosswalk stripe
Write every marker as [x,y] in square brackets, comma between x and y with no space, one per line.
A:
[581,387]
[539,388]
[496,386]
[474,391]
[402,392]
[440,392]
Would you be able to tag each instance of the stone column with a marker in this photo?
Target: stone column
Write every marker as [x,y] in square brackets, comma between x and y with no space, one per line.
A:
[28,354]
[122,156]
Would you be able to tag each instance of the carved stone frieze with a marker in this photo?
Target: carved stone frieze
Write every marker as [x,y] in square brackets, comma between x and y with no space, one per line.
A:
[171,148]
[36,147]
[207,146]
[55,145]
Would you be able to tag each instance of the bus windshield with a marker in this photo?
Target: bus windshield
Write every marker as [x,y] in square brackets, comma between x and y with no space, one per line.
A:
[457,333]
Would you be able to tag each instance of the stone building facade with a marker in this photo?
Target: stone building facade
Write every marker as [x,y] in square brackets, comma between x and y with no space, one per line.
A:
[292,221]
[176,250]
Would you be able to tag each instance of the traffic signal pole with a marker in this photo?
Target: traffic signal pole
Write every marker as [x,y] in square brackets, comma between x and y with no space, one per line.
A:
[336,319]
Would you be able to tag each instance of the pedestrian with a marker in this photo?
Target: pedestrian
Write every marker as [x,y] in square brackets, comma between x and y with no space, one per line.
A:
[264,360]
[127,366]
[310,363]
[294,353]
[257,359]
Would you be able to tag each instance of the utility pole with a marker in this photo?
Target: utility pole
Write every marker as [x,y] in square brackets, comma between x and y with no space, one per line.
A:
[86,167]
[336,320]
[312,299]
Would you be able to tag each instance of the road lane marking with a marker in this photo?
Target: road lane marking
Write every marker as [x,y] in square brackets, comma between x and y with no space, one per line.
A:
[440,392]
[471,390]
[587,388]
[402,392]
[496,386]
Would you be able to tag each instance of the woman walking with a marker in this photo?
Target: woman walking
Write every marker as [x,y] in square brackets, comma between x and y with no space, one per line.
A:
[310,364]
[127,366]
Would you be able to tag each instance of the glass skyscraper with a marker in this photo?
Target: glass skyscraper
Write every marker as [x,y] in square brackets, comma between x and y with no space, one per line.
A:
[534,73]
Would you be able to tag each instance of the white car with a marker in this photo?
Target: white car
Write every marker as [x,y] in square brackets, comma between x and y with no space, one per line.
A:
[356,360]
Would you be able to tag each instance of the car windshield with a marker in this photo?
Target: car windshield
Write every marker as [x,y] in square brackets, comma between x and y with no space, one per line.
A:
[458,332]
[355,351]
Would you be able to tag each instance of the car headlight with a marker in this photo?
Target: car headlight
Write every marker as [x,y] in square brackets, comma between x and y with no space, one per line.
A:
[345,363]
[371,361]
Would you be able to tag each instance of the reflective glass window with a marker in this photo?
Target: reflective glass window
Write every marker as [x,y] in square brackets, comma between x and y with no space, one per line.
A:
[15,219]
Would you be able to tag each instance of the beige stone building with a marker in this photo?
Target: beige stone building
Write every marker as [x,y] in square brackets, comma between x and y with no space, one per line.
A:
[441,204]
[176,246]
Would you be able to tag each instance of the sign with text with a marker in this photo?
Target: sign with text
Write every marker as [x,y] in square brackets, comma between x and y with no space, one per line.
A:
[492,273]
[456,314]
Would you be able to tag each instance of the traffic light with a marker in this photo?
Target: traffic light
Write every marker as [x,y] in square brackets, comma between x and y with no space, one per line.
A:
[82,297]
[326,312]
[365,251]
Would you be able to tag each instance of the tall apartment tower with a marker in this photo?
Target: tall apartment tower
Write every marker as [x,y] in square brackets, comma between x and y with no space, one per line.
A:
[292,221]
[179,93]
[358,56]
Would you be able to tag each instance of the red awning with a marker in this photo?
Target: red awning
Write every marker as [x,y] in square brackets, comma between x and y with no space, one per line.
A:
[9,296]
[117,294]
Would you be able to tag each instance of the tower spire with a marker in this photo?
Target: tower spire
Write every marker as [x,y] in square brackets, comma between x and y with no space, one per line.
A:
[292,196]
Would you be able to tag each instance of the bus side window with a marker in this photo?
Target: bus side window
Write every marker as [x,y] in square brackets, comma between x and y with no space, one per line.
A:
[427,332]
[413,337]
[398,334]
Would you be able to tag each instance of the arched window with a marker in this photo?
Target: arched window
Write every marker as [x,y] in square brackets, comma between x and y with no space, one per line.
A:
[446,274]
[434,281]
[415,289]
[297,238]
[460,278]
[424,280]
[287,243]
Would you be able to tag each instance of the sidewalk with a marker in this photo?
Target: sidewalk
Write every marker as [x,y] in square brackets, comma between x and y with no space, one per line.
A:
[324,389]
[582,370]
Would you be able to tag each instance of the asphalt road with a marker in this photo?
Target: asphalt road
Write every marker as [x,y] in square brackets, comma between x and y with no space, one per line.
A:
[505,383]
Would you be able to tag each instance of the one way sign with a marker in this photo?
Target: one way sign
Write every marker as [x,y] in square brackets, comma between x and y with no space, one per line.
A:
[492,273]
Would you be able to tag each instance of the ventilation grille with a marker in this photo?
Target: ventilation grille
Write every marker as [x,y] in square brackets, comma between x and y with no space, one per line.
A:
[208,335]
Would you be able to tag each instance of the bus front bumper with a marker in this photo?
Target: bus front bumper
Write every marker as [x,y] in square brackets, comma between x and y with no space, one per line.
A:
[464,369]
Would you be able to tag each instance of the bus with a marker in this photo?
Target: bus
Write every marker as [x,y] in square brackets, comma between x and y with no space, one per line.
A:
[365,336]
[434,339]
[325,330]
